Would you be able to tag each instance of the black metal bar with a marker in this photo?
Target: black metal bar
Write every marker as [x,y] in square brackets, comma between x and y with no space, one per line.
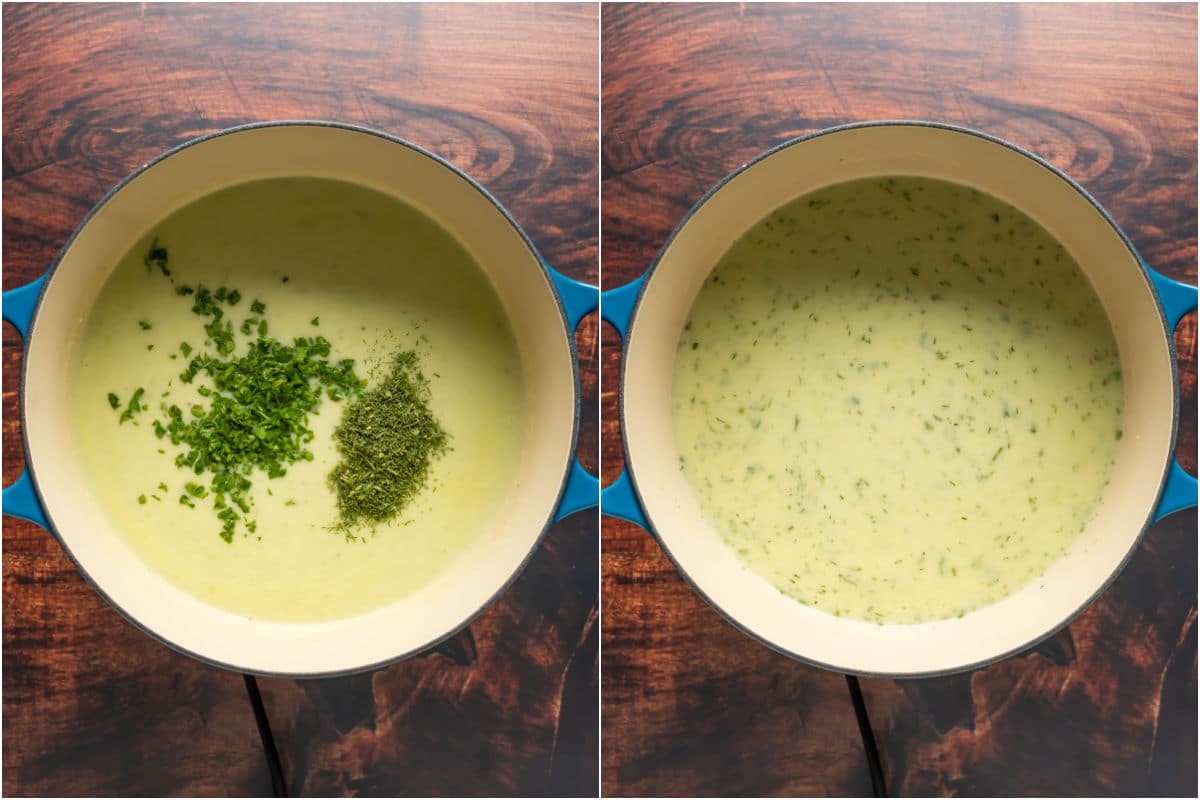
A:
[874,764]
[278,785]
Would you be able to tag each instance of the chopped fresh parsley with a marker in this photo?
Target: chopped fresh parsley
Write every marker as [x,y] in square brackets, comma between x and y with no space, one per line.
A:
[157,257]
[134,407]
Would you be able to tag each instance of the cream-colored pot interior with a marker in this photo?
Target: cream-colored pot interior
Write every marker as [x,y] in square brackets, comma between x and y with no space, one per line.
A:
[991,632]
[417,620]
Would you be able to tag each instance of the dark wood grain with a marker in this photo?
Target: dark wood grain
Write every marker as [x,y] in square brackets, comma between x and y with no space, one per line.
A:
[507,93]
[1107,93]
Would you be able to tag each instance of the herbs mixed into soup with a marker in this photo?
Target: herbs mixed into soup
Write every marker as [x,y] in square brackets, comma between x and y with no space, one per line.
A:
[300,401]
[898,399]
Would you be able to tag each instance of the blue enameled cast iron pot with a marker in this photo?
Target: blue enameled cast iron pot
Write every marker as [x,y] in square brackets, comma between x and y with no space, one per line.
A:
[544,308]
[1143,307]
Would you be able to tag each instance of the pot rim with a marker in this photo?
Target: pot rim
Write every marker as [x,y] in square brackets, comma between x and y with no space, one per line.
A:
[631,327]
[48,276]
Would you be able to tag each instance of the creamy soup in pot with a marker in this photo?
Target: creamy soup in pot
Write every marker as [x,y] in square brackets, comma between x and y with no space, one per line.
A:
[309,258]
[898,399]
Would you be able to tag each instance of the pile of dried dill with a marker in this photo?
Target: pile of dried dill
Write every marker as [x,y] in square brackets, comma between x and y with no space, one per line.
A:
[388,437]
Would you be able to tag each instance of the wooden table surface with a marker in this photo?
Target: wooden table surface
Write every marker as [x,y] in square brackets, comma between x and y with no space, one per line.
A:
[510,95]
[1108,93]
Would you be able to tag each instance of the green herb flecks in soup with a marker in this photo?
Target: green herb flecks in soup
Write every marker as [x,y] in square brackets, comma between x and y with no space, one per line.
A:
[897,399]
[357,330]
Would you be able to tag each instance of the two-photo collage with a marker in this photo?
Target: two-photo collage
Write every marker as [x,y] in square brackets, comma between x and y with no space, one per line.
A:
[583,399]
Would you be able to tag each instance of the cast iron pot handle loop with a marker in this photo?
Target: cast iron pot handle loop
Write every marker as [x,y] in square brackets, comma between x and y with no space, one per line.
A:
[1177,299]
[619,499]
[579,300]
[20,499]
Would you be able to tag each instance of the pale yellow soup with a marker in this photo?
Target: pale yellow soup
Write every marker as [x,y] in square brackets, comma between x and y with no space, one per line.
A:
[898,399]
[378,276]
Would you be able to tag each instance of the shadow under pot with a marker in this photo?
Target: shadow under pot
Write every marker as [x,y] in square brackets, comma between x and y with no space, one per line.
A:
[235,348]
[898,399]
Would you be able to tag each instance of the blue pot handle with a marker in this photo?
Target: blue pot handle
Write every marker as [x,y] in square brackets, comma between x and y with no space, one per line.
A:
[1177,299]
[578,299]
[618,499]
[19,304]
[20,500]
[616,305]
